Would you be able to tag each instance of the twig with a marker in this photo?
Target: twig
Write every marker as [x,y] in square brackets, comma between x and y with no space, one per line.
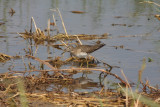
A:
[18,93]
[43,62]
[153,88]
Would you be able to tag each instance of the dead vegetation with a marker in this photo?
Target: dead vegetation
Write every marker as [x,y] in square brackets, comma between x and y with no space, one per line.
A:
[46,87]
[57,86]
[4,57]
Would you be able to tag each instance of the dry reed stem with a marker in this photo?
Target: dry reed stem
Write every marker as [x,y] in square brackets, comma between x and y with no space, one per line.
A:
[79,40]
[127,83]
[17,94]
[137,102]
[127,102]
[35,25]
[64,43]
[20,34]
[8,89]
[31,26]
[48,28]
[24,62]
[143,66]
[101,90]
[63,23]
[150,2]
[157,100]
[55,22]
[36,50]
[125,94]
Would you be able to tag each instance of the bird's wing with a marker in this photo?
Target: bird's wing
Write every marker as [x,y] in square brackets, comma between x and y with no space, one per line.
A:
[90,48]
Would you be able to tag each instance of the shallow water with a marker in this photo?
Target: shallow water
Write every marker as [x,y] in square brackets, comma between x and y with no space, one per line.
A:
[140,36]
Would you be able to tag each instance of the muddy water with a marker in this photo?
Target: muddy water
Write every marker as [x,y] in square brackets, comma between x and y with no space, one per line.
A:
[130,23]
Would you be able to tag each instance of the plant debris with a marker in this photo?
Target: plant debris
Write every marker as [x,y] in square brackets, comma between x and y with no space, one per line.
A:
[12,11]
[4,57]
[78,12]
[2,23]
[158,17]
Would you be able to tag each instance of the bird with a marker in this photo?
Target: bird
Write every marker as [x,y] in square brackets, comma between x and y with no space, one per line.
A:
[83,51]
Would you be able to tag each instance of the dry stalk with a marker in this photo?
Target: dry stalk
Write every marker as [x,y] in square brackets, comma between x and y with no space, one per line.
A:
[143,66]
[31,26]
[157,100]
[128,84]
[79,40]
[8,89]
[17,94]
[48,28]
[20,34]
[125,94]
[150,2]
[63,23]
[64,43]
[101,90]
[35,26]
[136,104]
[55,22]
[36,50]
[40,96]
[24,62]
[127,102]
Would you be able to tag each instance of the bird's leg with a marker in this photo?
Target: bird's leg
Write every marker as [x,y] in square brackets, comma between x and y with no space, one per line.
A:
[81,64]
[87,61]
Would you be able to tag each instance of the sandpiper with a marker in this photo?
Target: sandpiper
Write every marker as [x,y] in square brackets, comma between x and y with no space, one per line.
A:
[83,51]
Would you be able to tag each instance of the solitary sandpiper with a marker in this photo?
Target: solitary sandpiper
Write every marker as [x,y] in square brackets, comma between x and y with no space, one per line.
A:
[83,51]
